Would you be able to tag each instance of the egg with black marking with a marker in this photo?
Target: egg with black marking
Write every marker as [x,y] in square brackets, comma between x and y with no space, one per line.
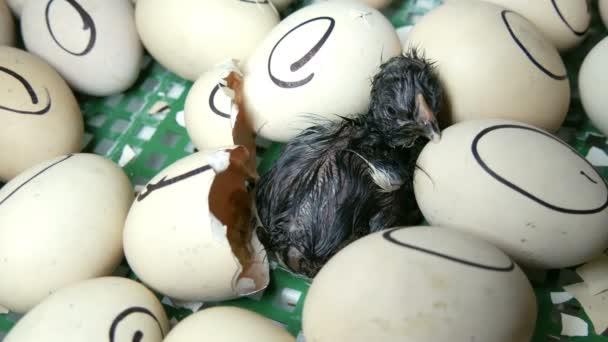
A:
[39,114]
[103,309]
[564,22]
[497,64]
[93,44]
[518,187]
[203,33]
[304,71]
[61,222]
[172,232]
[416,289]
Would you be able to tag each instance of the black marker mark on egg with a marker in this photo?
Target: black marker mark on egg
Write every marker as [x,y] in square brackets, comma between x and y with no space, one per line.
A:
[514,187]
[589,178]
[526,52]
[151,187]
[297,65]
[138,335]
[561,16]
[212,102]
[388,235]
[35,176]
[30,91]
[87,25]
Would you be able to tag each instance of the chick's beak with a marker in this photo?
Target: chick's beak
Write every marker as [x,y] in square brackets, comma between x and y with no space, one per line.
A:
[426,119]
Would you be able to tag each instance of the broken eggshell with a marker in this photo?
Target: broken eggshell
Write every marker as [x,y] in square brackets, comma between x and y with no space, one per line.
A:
[189,233]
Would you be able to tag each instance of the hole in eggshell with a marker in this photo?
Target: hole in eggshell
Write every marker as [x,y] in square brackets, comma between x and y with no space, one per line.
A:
[232,204]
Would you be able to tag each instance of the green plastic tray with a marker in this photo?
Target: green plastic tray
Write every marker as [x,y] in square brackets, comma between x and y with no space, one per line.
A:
[159,140]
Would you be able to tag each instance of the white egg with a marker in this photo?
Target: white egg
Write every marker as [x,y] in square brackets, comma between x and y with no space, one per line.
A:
[16,6]
[317,64]
[227,324]
[92,43]
[518,187]
[203,33]
[592,79]
[103,309]
[564,22]
[61,221]
[7,25]
[39,115]
[210,110]
[171,233]
[412,284]
[603,9]
[495,65]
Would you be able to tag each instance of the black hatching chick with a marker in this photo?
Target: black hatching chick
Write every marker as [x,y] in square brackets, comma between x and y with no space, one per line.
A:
[338,181]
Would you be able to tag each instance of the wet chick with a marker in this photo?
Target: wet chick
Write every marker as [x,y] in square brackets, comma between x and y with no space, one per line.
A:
[338,181]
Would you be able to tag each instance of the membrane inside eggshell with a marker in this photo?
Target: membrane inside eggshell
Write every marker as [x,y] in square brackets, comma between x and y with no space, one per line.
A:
[231,200]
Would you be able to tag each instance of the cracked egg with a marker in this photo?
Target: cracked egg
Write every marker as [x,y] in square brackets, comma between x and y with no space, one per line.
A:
[190,233]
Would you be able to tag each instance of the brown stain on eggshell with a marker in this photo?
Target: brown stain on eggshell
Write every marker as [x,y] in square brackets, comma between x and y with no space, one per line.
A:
[232,201]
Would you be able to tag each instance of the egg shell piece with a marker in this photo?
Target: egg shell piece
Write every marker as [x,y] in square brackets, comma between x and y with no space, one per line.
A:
[61,221]
[210,110]
[517,187]
[92,43]
[414,289]
[304,72]
[603,11]
[495,65]
[170,234]
[564,22]
[39,115]
[203,33]
[592,79]
[7,25]
[16,6]
[218,324]
[94,310]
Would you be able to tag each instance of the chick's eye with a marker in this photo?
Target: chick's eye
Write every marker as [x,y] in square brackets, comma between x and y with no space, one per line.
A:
[391,110]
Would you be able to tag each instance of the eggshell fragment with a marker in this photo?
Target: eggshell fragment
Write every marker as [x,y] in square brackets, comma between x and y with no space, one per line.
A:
[592,78]
[227,324]
[16,6]
[191,223]
[495,65]
[401,285]
[61,222]
[39,115]
[103,309]
[518,187]
[304,70]
[202,33]
[92,43]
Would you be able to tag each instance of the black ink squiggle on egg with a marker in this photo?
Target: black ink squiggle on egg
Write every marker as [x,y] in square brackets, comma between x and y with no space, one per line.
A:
[563,19]
[138,335]
[546,71]
[212,103]
[88,25]
[151,187]
[30,91]
[297,65]
[388,235]
[485,132]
